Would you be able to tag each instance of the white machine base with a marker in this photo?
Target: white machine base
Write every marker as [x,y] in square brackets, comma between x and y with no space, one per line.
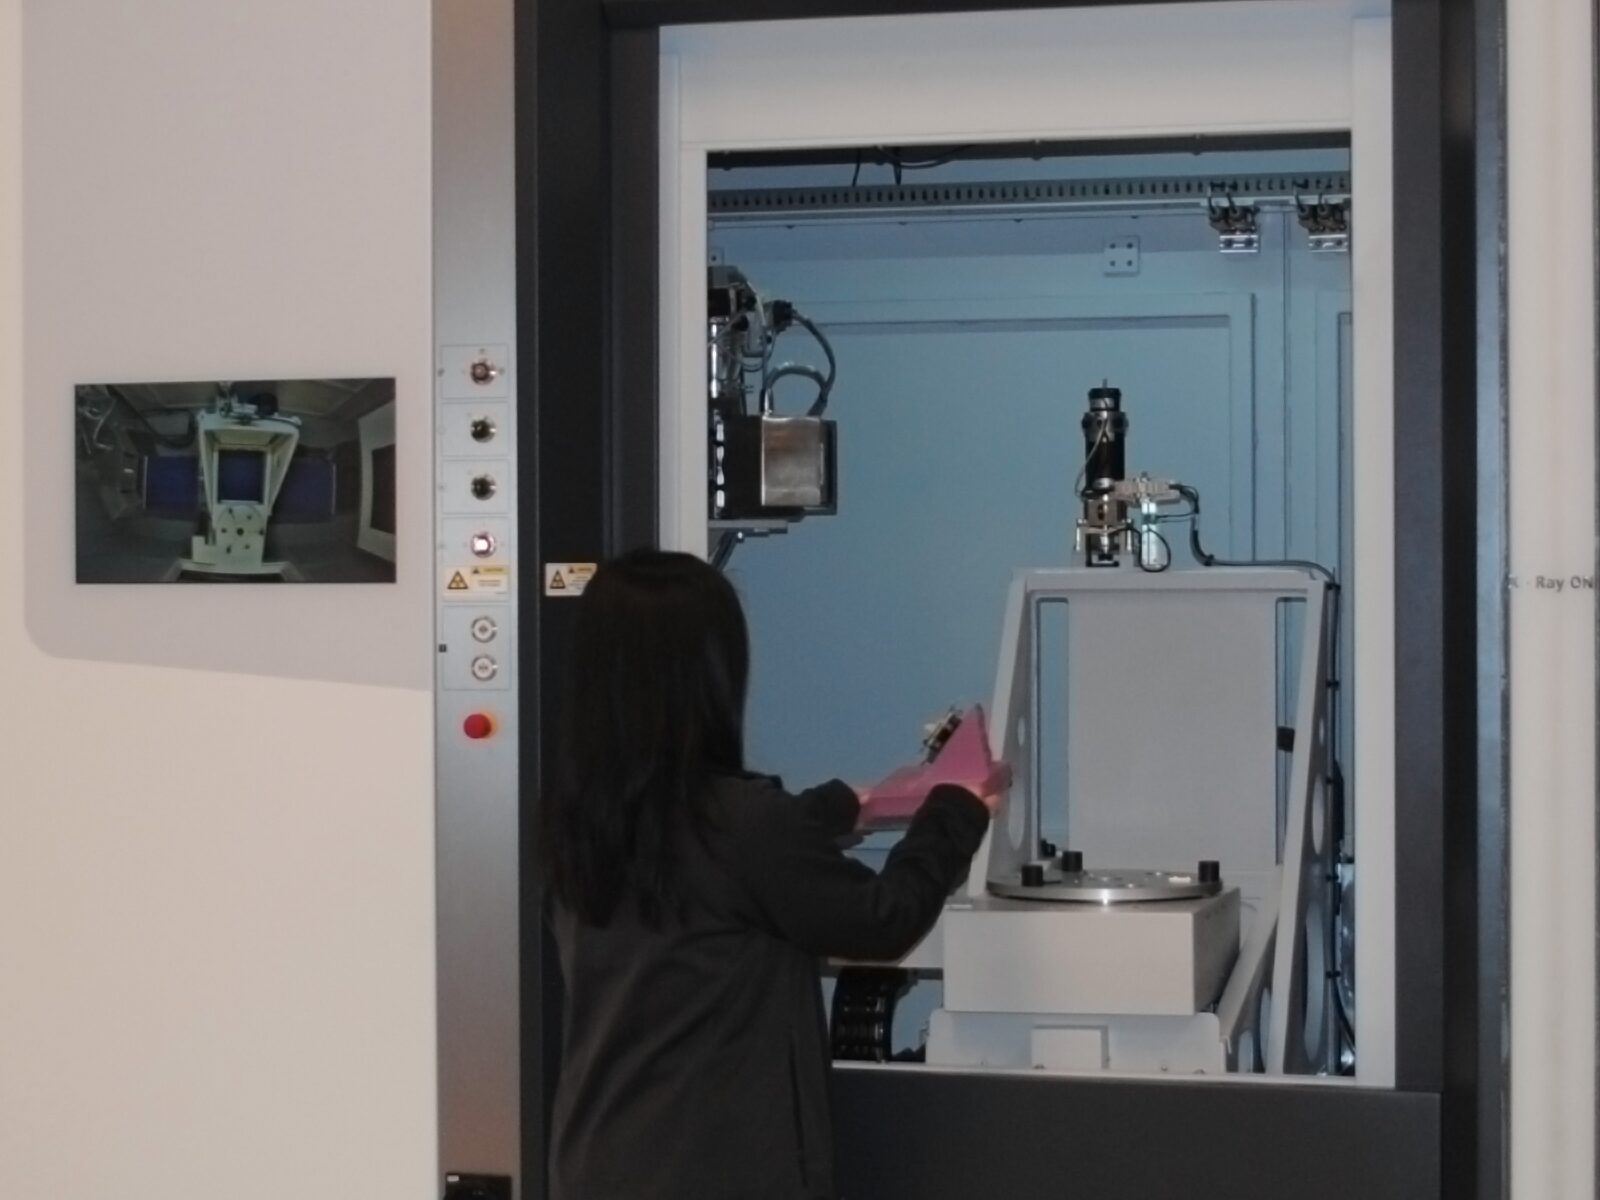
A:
[1189,1045]
[1161,959]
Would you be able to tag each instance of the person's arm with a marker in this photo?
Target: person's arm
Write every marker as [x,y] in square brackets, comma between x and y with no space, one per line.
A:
[812,894]
[835,806]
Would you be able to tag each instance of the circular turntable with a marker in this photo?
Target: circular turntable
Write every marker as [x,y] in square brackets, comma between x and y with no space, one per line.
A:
[1067,881]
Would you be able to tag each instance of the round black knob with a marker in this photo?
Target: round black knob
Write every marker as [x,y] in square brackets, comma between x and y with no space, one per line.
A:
[482,429]
[1071,860]
[1033,875]
[1210,871]
[1047,849]
[484,486]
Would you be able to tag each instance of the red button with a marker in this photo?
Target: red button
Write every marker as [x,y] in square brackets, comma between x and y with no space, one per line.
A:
[478,725]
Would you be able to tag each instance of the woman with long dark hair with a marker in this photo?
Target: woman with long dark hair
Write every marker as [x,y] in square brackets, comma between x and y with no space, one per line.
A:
[691,900]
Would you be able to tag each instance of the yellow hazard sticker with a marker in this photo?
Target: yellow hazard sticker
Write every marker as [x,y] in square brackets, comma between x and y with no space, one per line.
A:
[567,579]
[463,582]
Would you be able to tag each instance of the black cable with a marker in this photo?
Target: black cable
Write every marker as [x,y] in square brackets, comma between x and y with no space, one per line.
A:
[803,371]
[1331,683]
[1207,559]
[820,404]
[926,164]
[1152,531]
[824,382]
[899,164]
[726,545]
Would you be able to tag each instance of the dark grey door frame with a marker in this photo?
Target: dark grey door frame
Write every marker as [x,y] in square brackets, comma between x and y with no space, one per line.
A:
[587,308]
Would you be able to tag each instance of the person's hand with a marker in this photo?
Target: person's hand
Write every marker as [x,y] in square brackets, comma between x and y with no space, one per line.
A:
[994,789]
[864,799]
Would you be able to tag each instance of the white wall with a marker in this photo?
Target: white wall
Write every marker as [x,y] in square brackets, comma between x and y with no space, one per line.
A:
[216,875]
[1552,451]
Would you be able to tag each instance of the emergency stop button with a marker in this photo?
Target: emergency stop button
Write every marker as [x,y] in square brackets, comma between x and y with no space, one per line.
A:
[478,726]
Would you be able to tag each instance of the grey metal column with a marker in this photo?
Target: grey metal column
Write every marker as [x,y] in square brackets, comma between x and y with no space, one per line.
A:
[476,615]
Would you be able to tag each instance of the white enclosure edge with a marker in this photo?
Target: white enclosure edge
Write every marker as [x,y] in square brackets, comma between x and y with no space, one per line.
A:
[1266,66]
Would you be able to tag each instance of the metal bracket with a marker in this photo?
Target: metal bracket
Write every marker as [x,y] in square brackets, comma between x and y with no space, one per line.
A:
[1326,222]
[1238,231]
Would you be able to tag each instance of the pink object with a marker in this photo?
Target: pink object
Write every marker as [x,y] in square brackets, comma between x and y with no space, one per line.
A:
[963,760]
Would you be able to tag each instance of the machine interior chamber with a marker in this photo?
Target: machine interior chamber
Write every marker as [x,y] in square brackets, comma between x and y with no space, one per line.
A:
[970,298]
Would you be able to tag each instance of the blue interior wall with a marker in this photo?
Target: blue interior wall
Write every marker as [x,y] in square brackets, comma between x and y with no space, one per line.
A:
[965,351]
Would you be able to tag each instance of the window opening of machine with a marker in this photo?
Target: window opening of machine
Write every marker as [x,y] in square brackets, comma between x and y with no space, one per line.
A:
[954,393]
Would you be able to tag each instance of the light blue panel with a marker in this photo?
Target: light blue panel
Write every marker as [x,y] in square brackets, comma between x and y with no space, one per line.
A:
[965,350]
[966,347]
[959,451]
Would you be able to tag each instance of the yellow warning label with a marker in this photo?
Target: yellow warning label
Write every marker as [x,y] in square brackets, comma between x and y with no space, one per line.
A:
[478,580]
[567,579]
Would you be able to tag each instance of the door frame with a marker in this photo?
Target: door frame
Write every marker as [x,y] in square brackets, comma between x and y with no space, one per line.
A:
[587,266]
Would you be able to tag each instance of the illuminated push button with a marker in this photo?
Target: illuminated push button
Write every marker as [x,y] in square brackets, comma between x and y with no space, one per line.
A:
[483,544]
[478,726]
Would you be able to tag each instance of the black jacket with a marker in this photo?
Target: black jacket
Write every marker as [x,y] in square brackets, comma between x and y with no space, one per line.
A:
[695,1062]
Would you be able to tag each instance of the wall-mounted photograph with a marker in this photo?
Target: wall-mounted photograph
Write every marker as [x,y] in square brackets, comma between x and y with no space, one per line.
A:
[278,481]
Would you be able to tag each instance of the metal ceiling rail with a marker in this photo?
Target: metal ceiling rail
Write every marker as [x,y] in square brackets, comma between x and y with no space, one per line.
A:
[1012,198]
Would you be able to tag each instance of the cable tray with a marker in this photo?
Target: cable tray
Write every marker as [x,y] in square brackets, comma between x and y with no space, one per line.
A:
[1042,195]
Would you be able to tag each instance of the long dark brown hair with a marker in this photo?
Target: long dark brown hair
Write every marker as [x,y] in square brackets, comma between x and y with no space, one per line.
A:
[654,713]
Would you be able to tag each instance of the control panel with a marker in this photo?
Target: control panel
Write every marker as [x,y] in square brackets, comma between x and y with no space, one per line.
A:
[476,592]
[476,710]
[477,626]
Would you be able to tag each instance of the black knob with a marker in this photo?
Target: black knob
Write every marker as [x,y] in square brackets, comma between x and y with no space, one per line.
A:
[1047,849]
[1033,875]
[483,429]
[1071,860]
[1104,397]
[483,486]
[1210,871]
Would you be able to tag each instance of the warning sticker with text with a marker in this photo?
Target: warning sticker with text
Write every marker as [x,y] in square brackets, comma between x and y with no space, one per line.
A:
[567,579]
[477,581]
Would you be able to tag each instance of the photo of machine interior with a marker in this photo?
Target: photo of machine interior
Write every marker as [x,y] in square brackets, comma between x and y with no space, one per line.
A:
[1033,459]
[278,481]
